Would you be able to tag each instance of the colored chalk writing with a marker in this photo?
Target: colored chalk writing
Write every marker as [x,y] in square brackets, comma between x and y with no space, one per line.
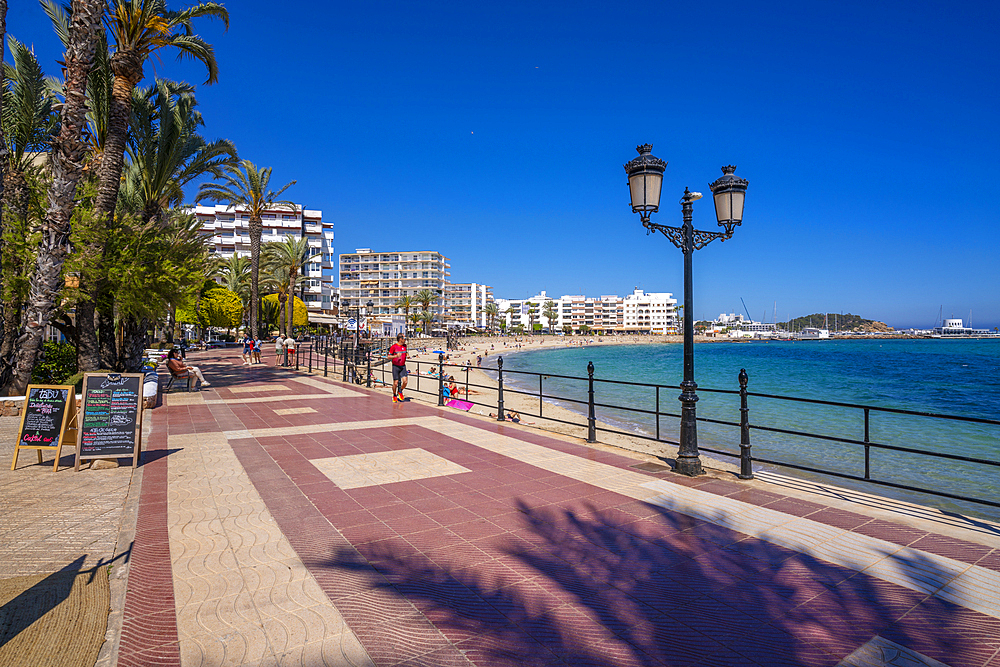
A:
[110,416]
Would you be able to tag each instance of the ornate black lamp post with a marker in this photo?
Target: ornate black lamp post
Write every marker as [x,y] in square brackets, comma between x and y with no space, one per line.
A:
[645,177]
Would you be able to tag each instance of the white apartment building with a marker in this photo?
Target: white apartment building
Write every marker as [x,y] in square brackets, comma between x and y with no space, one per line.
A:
[384,277]
[741,327]
[464,304]
[229,229]
[638,312]
[655,312]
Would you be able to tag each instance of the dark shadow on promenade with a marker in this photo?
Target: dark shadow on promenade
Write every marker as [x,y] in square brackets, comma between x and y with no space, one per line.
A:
[645,587]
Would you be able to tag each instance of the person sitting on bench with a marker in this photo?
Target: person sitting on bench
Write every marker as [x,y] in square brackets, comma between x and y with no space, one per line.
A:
[179,369]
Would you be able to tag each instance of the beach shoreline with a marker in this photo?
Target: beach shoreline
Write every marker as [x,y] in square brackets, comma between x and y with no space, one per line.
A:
[483,389]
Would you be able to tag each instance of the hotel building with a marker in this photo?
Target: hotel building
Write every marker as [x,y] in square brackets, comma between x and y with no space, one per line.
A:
[384,277]
[638,312]
[464,304]
[229,229]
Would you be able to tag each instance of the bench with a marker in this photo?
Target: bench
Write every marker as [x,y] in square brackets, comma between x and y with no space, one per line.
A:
[190,377]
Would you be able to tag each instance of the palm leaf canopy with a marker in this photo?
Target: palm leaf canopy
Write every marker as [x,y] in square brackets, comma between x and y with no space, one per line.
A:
[165,150]
[29,117]
[246,187]
[140,27]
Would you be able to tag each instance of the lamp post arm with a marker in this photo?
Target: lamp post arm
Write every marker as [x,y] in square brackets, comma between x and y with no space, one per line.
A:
[676,235]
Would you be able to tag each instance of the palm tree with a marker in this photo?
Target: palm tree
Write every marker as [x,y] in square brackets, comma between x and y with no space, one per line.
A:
[279,281]
[246,189]
[492,311]
[511,311]
[406,303]
[532,311]
[425,298]
[426,318]
[28,124]
[165,150]
[551,315]
[68,150]
[140,28]
[289,255]
[235,272]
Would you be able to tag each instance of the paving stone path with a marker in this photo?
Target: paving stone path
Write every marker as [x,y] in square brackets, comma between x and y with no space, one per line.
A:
[291,520]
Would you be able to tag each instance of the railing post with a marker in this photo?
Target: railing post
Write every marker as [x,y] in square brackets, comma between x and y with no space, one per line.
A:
[298,354]
[368,374]
[500,416]
[311,346]
[657,412]
[540,377]
[746,468]
[440,379]
[867,449]
[326,356]
[591,418]
[343,359]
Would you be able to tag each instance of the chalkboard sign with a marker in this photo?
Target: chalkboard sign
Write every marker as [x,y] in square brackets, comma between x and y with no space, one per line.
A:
[110,417]
[47,420]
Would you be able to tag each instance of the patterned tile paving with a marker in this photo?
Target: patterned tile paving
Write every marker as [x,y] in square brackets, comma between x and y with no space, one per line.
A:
[543,552]
[359,470]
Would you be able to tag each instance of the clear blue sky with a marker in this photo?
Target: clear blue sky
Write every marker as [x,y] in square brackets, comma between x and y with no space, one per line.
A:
[496,133]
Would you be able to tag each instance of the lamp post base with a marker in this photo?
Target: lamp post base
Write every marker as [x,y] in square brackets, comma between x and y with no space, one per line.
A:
[689,465]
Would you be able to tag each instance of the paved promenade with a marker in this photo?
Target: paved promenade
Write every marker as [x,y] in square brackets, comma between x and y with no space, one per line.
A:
[284,519]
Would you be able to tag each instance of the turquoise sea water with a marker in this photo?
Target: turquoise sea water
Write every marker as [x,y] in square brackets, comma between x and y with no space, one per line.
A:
[954,377]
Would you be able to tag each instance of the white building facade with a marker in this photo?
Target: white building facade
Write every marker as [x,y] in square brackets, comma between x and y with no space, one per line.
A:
[638,312]
[465,304]
[229,230]
[384,277]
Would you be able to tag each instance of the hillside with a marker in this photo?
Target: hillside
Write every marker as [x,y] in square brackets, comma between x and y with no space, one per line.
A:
[835,322]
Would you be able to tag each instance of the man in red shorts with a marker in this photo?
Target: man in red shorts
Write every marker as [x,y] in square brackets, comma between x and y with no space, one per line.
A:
[398,355]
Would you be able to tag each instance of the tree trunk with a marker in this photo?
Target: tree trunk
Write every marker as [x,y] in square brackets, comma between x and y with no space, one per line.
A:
[256,228]
[68,151]
[88,353]
[11,326]
[290,310]
[108,339]
[3,140]
[133,344]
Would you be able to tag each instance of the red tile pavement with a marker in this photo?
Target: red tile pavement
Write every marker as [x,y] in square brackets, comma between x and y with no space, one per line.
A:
[510,564]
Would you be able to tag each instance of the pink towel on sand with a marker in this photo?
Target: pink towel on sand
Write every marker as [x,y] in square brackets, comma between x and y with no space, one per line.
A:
[461,405]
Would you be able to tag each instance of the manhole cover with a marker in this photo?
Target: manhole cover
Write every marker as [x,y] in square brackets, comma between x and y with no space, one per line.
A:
[651,467]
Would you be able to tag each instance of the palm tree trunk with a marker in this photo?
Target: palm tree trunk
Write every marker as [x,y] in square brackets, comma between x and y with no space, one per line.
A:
[133,344]
[292,276]
[88,352]
[68,150]
[256,227]
[3,140]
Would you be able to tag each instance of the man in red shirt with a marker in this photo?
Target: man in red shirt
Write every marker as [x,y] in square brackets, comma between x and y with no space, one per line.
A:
[398,355]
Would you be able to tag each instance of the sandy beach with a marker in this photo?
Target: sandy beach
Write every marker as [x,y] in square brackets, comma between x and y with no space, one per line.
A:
[486,391]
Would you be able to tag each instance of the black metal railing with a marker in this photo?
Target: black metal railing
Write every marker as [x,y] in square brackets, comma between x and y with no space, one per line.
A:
[366,363]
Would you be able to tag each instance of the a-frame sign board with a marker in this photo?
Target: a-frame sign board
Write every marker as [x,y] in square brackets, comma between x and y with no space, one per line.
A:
[110,423]
[48,420]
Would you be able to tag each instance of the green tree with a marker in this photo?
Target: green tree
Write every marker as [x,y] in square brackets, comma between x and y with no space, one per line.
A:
[405,303]
[290,255]
[66,160]
[165,150]
[532,311]
[425,298]
[492,311]
[551,315]
[235,273]
[246,189]
[299,311]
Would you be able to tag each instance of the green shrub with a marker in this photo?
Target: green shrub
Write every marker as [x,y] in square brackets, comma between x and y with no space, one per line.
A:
[56,363]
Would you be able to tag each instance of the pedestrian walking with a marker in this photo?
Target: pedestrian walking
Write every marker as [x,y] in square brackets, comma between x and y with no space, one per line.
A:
[397,353]
[290,349]
[247,348]
[279,349]
[258,345]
